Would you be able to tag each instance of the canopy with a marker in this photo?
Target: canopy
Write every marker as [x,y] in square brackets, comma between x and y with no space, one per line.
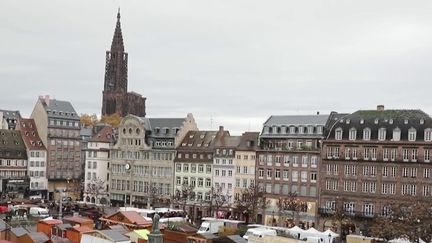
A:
[312,230]
[296,229]
[329,232]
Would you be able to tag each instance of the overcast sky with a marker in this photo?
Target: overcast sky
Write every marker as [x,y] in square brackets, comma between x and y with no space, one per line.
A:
[229,62]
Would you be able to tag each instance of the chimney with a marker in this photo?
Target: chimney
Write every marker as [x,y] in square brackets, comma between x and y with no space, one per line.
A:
[47,99]
[317,112]
[380,107]
[221,128]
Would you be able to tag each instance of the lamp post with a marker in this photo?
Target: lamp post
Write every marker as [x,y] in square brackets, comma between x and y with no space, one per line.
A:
[272,218]
[329,237]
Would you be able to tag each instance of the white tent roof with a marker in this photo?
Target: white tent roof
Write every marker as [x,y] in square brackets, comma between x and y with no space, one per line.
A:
[312,230]
[296,229]
[329,232]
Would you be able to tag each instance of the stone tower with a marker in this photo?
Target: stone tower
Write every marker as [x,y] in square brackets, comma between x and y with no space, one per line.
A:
[115,98]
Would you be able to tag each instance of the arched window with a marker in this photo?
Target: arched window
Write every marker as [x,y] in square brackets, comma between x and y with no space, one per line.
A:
[352,134]
[396,134]
[382,134]
[366,133]
[338,133]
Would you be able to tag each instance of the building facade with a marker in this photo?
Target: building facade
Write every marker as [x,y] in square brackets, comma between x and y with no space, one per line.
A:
[224,167]
[14,182]
[115,98]
[37,158]
[97,160]
[245,157]
[142,160]
[372,158]
[287,168]
[194,167]
[58,126]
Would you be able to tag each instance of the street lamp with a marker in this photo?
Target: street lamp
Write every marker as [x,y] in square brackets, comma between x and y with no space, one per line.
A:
[272,223]
[329,236]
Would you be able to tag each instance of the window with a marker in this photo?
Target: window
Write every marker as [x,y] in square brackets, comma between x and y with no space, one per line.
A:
[192,181]
[193,168]
[185,167]
[313,177]
[314,161]
[277,175]
[244,183]
[178,180]
[368,209]
[412,134]
[385,154]
[414,155]
[200,168]
[286,174]
[381,134]
[352,134]
[245,169]
[396,134]
[269,173]
[294,176]
[428,135]
[223,172]
[427,155]
[409,189]
[393,154]
[238,169]
[237,182]
[303,176]
[230,173]
[366,134]
[178,167]
[208,182]
[261,173]
[338,133]
[405,154]
[217,172]
[200,182]
[304,161]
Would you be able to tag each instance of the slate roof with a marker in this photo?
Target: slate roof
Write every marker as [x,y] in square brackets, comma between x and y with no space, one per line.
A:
[11,114]
[388,119]
[227,141]
[248,141]
[30,135]
[114,235]
[160,126]
[59,109]
[19,231]
[39,237]
[12,145]
[296,120]
[199,140]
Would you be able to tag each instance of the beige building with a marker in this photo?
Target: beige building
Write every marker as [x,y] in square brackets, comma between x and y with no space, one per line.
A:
[142,160]
[244,162]
[58,125]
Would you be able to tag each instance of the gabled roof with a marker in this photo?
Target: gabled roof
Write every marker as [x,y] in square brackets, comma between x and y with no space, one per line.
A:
[19,231]
[30,134]
[39,237]
[114,235]
[228,141]
[296,120]
[199,140]
[131,216]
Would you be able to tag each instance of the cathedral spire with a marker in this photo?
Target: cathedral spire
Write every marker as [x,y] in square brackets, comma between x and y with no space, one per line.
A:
[117,42]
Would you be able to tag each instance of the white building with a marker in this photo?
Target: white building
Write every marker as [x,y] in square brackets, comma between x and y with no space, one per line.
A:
[37,158]
[96,166]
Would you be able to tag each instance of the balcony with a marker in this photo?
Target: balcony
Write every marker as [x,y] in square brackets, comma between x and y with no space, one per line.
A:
[326,212]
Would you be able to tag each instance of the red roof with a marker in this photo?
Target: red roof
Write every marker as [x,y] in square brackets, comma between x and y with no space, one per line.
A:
[79,220]
[82,229]
[30,135]
[51,221]
[104,135]
[133,217]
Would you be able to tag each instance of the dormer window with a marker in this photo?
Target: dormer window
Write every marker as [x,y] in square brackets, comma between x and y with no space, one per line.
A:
[412,134]
[310,129]
[382,134]
[338,133]
[396,134]
[361,121]
[292,129]
[406,121]
[167,131]
[391,121]
[202,136]
[376,121]
[278,129]
[270,130]
[319,129]
[300,130]
[348,121]
[428,134]
[352,134]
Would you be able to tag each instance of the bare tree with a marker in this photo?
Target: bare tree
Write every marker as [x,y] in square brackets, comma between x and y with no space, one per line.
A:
[292,204]
[181,196]
[411,219]
[218,199]
[96,188]
[250,200]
